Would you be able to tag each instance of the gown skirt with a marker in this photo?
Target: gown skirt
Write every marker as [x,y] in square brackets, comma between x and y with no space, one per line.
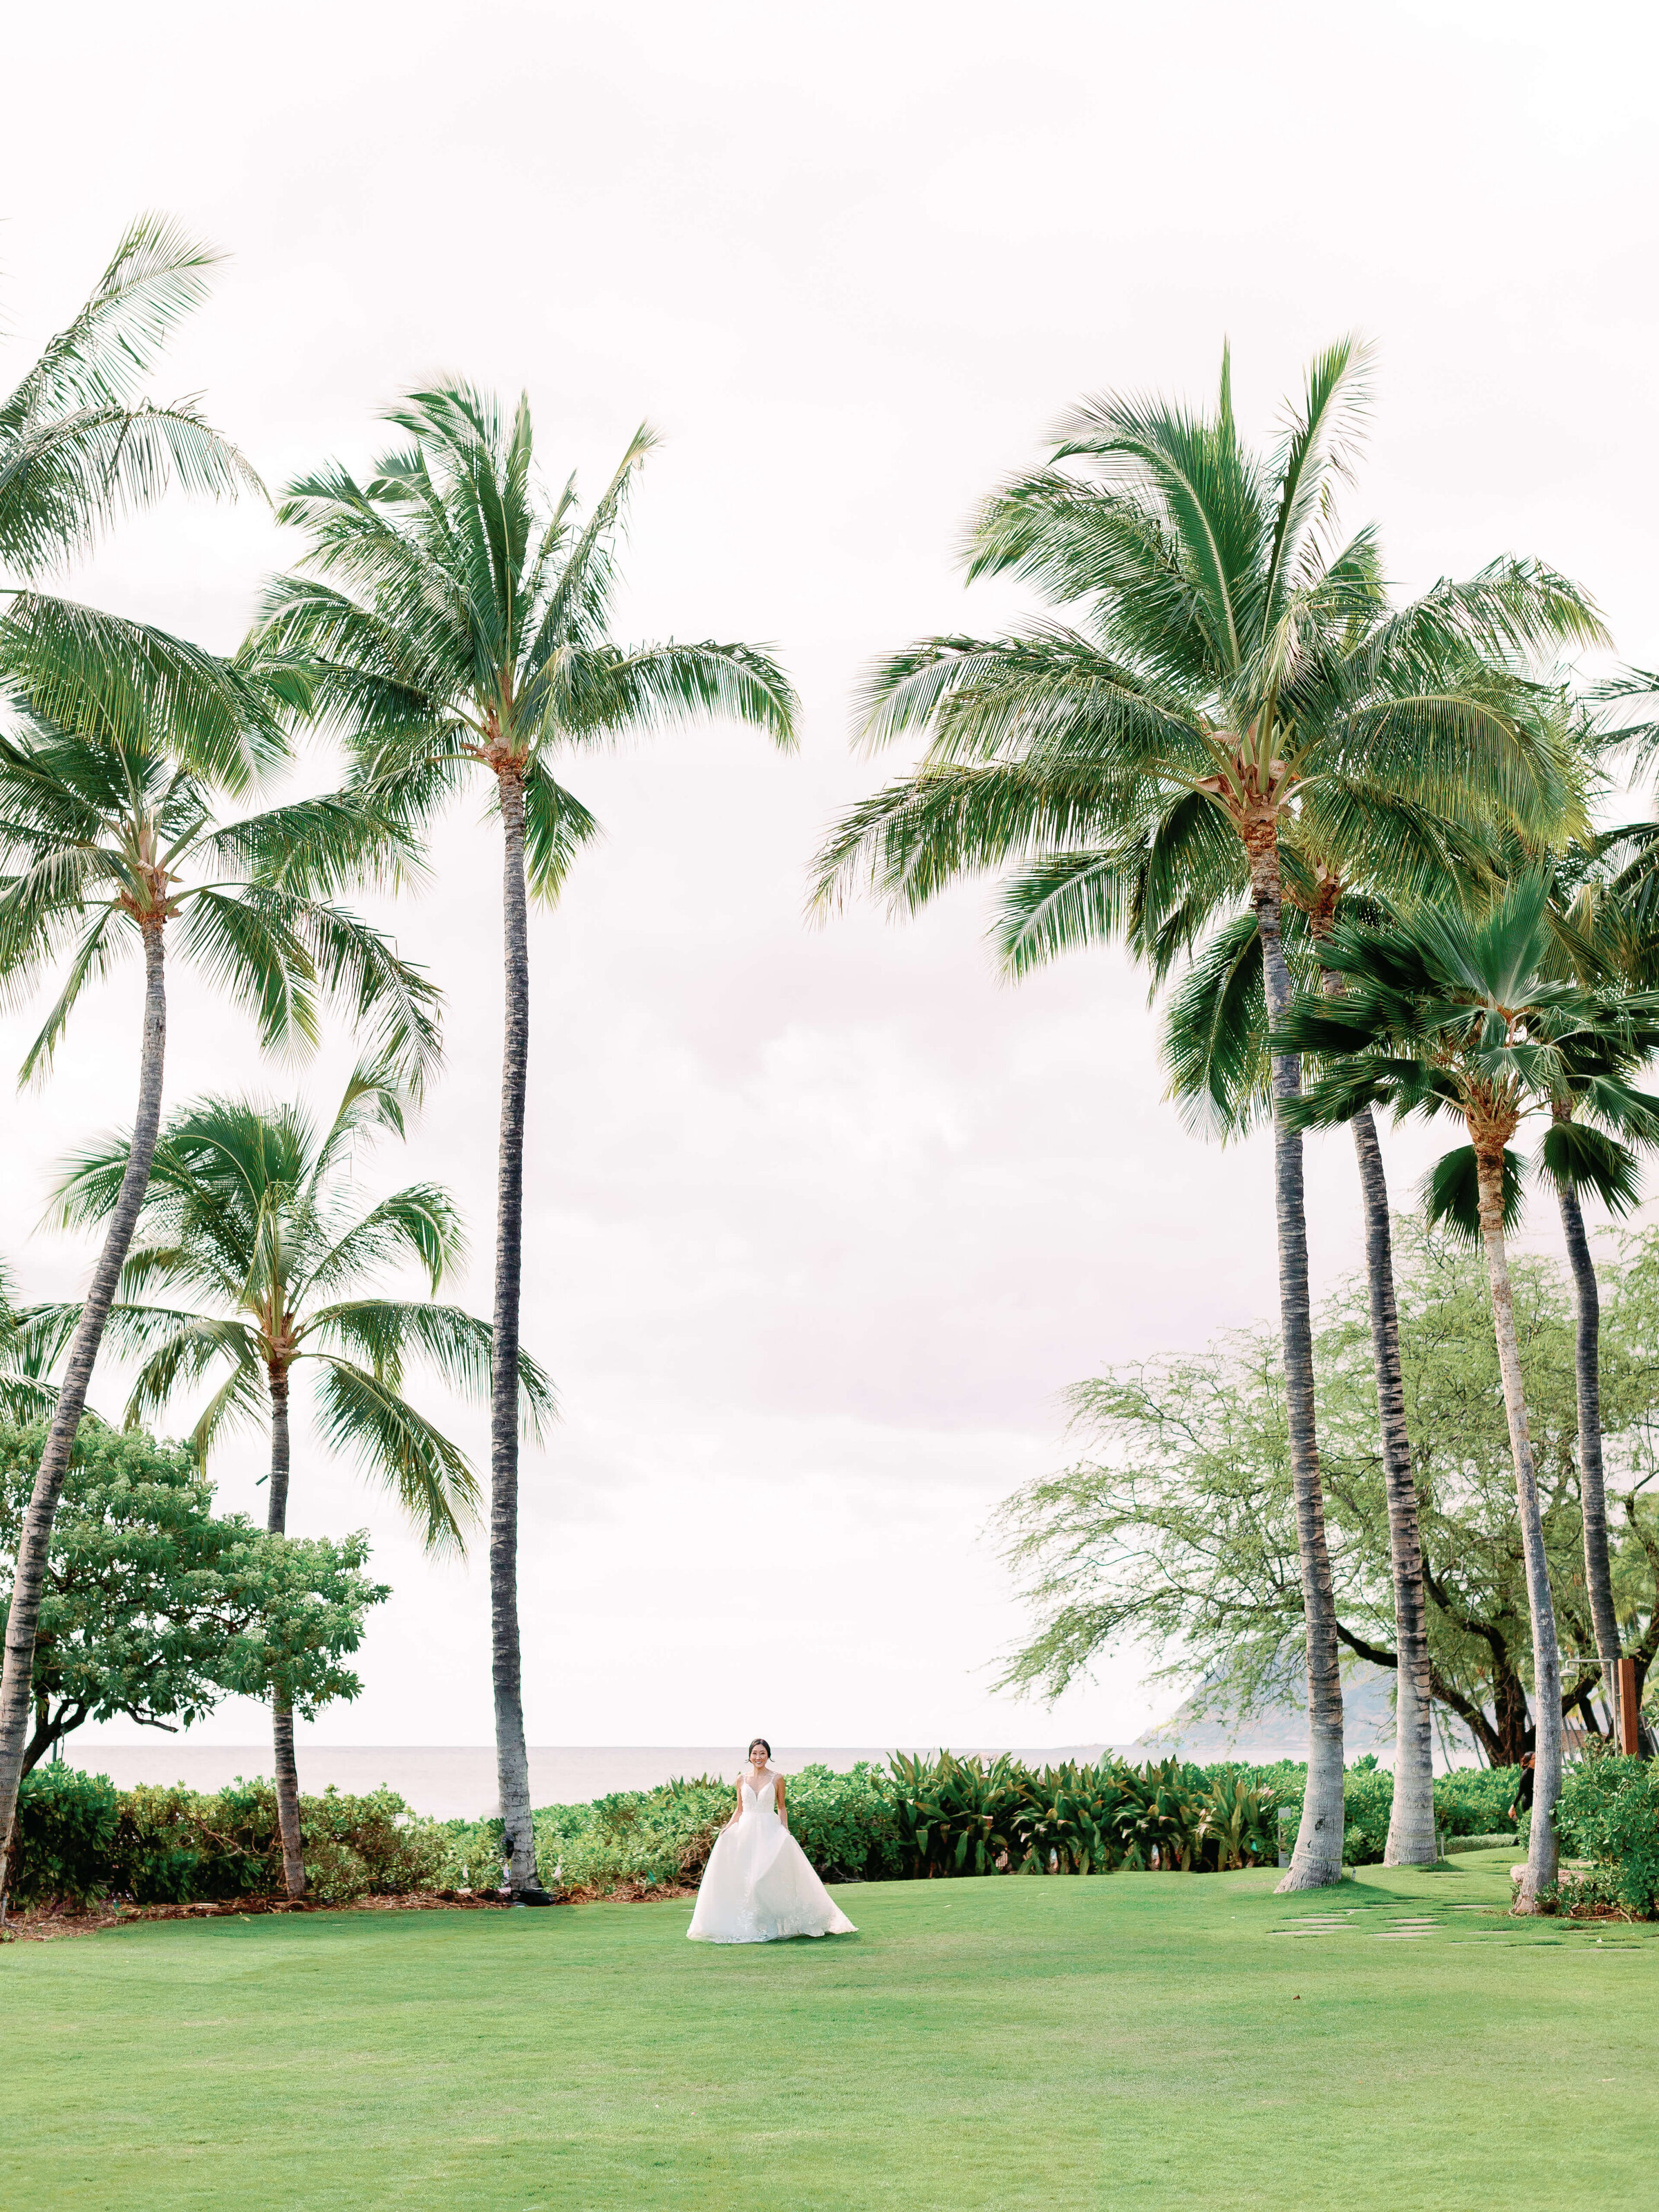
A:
[759,1886]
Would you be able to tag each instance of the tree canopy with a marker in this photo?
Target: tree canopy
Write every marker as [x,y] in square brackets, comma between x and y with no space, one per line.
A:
[1177,1532]
[156,1606]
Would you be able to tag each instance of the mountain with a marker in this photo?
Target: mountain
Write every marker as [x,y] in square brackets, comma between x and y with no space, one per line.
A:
[1197,1732]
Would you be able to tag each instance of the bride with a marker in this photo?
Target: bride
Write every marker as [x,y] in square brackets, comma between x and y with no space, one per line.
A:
[759,1884]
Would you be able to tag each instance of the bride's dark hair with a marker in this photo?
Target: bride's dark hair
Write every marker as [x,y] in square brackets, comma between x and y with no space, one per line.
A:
[763,1744]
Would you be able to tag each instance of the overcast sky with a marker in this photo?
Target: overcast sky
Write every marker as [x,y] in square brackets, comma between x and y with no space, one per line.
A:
[821,1221]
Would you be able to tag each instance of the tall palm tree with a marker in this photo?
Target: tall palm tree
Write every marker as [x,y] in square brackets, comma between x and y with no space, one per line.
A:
[1607,893]
[1230,669]
[454,621]
[1444,1012]
[1597,940]
[110,837]
[1215,1049]
[76,444]
[250,1210]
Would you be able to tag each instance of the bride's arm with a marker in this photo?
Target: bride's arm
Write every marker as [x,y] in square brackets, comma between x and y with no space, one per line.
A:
[783,1783]
[736,1791]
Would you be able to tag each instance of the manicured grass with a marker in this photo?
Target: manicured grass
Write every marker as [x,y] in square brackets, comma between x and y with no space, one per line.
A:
[1139,2040]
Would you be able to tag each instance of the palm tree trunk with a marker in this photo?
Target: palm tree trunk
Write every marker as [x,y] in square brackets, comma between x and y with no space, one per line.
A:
[1592,1490]
[1411,1820]
[1317,1858]
[36,1533]
[1543,1852]
[282,1705]
[512,1760]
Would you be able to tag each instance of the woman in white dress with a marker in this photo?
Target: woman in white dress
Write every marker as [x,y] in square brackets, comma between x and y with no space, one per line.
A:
[759,1885]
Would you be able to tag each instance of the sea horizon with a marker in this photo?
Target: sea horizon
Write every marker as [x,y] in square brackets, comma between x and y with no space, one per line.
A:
[456,1781]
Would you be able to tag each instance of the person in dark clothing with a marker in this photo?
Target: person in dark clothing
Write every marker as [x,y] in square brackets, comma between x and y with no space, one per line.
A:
[1523,1788]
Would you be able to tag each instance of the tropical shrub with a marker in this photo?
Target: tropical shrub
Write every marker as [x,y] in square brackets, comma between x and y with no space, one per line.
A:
[1470,1801]
[79,1838]
[953,1815]
[646,1838]
[474,1851]
[66,1824]
[959,1816]
[920,1817]
[1608,1813]
[654,1836]
[1242,1823]
[1070,1819]
[845,1824]
[1475,1801]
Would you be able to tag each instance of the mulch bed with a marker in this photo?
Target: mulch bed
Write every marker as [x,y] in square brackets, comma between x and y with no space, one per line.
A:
[45,1924]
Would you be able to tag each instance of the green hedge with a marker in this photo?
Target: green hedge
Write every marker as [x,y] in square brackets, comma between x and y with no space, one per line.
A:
[660,1837]
[80,1837]
[1609,1815]
[1472,1801]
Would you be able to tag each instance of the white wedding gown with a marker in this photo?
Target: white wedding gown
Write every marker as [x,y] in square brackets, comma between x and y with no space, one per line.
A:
[759,1884]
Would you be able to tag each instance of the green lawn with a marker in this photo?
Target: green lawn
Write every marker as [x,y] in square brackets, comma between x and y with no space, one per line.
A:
[1142,2039]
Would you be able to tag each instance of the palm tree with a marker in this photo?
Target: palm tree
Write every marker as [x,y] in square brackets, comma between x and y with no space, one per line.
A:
[1596,889]
[1448,1013]
[103,824]
[1606,894]
[26,1353]
[1215,1049]
[75,445]
[453,621]
[1231,671]
[249,1210]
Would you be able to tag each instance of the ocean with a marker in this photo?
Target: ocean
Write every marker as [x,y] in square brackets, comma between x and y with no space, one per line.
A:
[458,1781]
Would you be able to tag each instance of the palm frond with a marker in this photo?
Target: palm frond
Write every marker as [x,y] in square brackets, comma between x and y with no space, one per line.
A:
[127,683]
[556,826]
[1451,1193]
[368,1421]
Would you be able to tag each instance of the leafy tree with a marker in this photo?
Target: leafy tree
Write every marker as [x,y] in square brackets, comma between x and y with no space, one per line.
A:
[111,834]
[1232,681]
[1444,1012]
[250,1211]
[453,621]
[1177,1531]
[155,1608]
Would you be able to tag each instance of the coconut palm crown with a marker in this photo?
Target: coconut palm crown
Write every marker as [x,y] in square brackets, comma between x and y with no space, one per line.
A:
[451,618]
[77,443]
[249,1212]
